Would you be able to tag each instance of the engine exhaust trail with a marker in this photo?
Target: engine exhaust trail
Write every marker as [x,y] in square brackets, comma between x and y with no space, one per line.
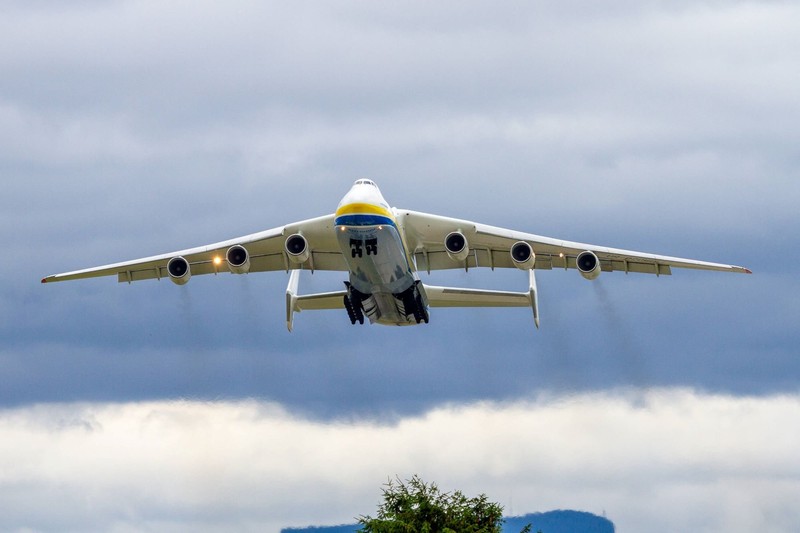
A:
[566,369]
[248,322]
[629,353]
[196,341]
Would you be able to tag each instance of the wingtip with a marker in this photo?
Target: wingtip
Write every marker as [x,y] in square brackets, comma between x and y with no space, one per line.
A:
[44,280]
[748,271]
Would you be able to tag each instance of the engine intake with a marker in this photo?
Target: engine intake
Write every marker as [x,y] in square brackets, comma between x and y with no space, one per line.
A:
[456,245]
[522,255]
[238,259]
[179,271]
[297,248]
[588,265]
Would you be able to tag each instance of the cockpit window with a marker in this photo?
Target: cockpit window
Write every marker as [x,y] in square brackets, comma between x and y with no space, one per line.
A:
[365,182]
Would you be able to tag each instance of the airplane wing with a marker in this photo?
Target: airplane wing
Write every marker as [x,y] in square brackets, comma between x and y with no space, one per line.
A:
[490,246]
[266,252]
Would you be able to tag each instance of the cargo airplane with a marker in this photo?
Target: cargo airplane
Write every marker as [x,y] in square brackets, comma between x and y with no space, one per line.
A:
[383,250]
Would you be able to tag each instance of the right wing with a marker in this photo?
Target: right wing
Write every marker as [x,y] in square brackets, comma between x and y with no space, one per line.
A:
[266,250]
[490,246]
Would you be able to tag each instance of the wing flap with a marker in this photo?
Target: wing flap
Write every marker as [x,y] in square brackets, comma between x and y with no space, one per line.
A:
[488,258]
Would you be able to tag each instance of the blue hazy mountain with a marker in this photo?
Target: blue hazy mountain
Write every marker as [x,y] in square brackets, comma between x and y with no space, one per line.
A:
[549,522]
[560,522]
[322,529]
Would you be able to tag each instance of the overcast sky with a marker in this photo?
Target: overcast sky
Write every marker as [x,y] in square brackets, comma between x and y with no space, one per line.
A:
[133,128]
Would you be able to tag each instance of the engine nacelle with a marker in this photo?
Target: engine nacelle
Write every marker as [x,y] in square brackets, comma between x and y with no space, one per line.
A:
[588,265]
[456,245]
[522,255]
[179,271]
[297,248]
[238,259]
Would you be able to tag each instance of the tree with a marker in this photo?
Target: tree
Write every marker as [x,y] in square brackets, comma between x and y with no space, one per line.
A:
[419,507]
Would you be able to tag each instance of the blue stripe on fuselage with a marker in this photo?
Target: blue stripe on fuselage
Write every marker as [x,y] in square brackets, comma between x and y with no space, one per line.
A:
[363,220]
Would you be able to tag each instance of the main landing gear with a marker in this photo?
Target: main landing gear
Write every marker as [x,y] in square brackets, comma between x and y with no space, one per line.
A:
[353,304]
[409,304]
[413,305]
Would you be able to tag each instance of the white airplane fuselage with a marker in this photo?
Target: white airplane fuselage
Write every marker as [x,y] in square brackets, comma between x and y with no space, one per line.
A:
[382,280]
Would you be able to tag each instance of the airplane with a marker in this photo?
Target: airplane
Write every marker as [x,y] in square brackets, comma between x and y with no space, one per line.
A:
[383,250]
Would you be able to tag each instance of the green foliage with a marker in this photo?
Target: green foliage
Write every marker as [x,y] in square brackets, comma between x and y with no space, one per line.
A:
[419,507]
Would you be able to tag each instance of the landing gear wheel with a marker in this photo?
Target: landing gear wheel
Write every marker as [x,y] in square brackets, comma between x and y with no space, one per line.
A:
[349,308]
[353,305]
[413,305]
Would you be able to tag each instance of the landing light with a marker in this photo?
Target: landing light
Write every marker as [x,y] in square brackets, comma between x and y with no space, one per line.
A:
[217,260]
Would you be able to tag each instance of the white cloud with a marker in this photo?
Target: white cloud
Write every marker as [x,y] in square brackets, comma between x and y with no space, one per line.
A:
[668,460]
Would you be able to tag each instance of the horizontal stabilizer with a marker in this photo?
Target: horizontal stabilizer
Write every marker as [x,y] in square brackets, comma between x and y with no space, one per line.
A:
[461,297]
[309,302]
[321,300]
[458,297]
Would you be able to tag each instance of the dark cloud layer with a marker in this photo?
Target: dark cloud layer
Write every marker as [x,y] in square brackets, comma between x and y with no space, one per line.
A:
[129,129]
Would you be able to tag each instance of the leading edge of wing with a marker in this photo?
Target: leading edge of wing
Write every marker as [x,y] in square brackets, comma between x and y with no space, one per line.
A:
[115,268]
[193,255]
[426,232]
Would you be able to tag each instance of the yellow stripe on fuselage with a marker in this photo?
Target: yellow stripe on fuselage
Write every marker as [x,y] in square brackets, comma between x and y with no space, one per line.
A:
[364,209]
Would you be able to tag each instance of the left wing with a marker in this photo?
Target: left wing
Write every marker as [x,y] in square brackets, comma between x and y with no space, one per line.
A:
[491,246]
[266,251]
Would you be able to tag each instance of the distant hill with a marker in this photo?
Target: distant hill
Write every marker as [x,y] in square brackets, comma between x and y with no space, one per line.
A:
[328,529]
[549,522]
[559,522]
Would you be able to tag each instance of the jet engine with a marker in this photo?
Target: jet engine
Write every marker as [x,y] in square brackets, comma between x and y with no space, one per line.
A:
[588,264]
[456,245]
[179,271]
[238,259]
[522,255]
[297,248]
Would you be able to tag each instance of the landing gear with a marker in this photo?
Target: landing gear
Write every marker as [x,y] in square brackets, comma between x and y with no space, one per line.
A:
[421,314]
[371,246]
[353,306]
[413,304]
[355,248]
[358,246]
